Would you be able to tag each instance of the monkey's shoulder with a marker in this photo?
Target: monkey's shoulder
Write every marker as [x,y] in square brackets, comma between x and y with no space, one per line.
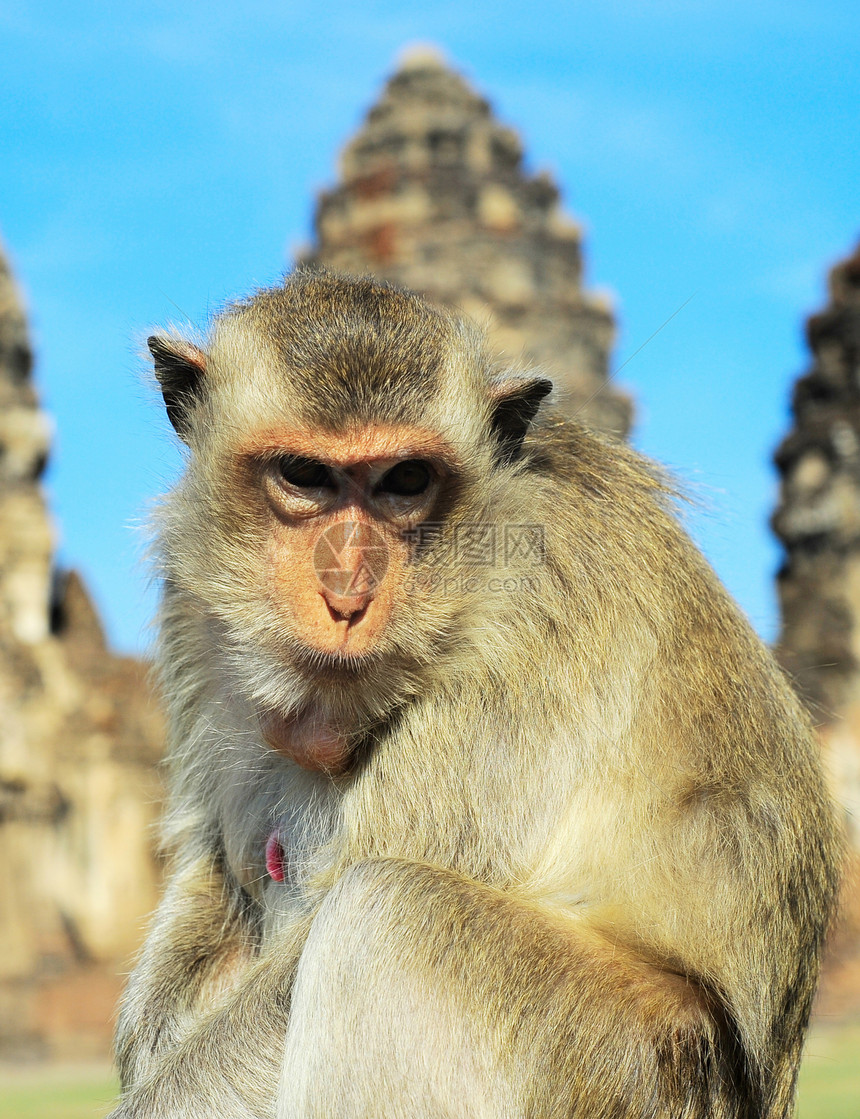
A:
[581,462]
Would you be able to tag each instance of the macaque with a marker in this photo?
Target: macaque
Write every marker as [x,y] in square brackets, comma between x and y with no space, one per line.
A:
[485,802]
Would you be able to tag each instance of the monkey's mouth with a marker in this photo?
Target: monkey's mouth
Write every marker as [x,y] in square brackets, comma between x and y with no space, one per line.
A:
[347,622]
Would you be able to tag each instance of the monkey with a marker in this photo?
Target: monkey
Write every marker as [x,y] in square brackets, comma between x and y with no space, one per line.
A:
[485,800]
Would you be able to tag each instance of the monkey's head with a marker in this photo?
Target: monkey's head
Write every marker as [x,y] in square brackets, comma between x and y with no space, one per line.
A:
[335,427]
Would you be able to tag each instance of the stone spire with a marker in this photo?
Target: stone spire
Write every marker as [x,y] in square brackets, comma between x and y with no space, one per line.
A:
[433,195]
[79,739]
[25,534]
[818,517]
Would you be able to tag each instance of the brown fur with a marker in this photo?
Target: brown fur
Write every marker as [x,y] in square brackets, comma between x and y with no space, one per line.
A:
[555,836]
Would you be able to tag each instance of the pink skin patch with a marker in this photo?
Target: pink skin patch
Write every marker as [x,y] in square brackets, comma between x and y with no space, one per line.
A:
[275,857]
[310,743]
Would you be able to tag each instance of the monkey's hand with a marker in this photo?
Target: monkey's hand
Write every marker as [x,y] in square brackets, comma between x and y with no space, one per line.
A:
[229,1064]
[197,950]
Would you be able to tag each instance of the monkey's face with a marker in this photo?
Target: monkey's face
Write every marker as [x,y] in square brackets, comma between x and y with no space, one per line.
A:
[342,510]
[305,543]
[329,423]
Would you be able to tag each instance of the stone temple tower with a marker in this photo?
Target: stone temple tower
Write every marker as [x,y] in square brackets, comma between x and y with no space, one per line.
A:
[818,522]
[818,518]
[433,195]
[25,536]
[79,739]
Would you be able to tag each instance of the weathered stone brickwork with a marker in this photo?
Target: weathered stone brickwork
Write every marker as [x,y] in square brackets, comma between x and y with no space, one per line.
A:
[818,518]
[433,195]
[79,739]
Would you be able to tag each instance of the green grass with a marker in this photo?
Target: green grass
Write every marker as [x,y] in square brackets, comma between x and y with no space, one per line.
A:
[829,1084]
[56,1093]
[830,1075]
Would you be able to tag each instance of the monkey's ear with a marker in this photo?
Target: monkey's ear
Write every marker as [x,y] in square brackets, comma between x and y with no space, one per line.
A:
[515,404]
[179,367]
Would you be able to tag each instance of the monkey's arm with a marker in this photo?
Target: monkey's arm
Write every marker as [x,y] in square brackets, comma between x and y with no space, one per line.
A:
[199,945]
[420,992]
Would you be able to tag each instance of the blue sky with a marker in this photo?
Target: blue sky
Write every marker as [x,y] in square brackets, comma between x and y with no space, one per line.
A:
[160,158]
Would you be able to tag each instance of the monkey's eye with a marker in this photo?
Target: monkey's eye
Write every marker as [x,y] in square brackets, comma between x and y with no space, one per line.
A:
[305,473]
[406,479]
